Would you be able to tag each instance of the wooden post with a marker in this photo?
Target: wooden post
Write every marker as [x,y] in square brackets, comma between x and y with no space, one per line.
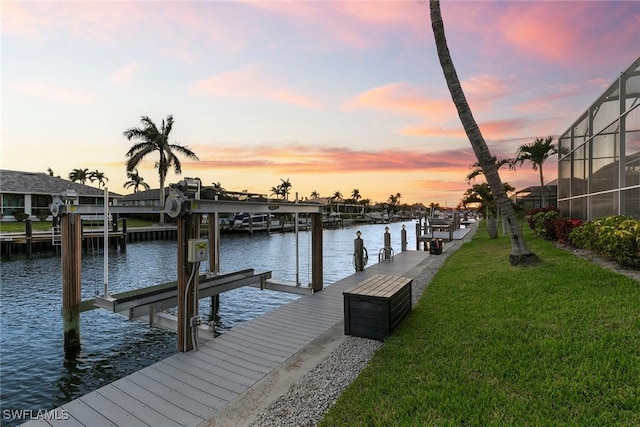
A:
[28,231]
[188,228]
[403,239]
[71,227]
[123,242]
[214,260]
[418,227]
[358,252]
[387,244]
[316,252]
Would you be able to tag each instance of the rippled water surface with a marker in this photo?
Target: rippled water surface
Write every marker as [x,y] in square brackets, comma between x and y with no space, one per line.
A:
[33,369]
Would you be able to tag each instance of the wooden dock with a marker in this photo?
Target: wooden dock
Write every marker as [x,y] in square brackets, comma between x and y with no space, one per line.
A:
[187,389]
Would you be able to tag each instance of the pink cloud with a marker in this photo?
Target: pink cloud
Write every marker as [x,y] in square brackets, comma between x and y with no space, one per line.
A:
[402,98]
[358,25]
[302,159]
[496,129]
[125,75]
[248,82]
[561,32]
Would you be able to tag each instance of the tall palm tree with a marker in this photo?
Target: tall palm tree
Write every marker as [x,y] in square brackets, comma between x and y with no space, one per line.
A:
[355,195]
[96,175]
[135,181]
[520,254]
[80,175]
[536,153]
[152,140]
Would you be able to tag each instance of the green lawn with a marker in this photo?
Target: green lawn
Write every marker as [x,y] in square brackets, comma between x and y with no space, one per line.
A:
[19,227]
[492,344]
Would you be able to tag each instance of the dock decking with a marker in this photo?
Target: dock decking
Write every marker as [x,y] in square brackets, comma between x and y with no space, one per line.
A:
[188,388]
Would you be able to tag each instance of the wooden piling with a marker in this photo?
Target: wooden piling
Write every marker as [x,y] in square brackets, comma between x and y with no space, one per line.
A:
[403,239]
[387,244]
[358,252]
[188,228]
[71,227]
[123,242]
[214,261]
[28,231]
[316,252]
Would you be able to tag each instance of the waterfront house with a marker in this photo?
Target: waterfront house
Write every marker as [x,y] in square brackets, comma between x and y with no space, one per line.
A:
[32,193]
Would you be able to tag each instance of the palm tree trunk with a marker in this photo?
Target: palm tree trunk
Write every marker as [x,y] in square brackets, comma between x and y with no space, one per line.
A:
[162,199]
[520,254]
[544,201]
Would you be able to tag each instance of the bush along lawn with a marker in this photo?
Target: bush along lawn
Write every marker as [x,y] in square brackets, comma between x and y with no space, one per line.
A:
[616,237]
[492,344]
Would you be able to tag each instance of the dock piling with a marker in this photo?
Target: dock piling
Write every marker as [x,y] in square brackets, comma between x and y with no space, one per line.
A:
[71,226]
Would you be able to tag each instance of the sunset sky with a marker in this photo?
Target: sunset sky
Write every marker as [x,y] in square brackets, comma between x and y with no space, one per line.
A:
[333,96]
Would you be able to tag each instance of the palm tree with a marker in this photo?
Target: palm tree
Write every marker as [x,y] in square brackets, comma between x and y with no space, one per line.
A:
[480,194]
[315,194]
[218,189]
[394,200]
[336,196]
[355,195]
[536,152]
[80,175]
[277,191]
[477,170]
[135,181]
[96,175]
[151,140]
[50,172]
[284,188]
[520,254]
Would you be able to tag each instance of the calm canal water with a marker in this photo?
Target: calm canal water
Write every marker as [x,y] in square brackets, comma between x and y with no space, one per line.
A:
[34,373]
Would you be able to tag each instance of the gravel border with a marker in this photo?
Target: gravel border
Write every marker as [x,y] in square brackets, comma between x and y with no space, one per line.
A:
[308,400]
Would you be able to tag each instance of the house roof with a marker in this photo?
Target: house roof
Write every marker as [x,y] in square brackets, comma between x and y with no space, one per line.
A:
[18,182]
[552,185]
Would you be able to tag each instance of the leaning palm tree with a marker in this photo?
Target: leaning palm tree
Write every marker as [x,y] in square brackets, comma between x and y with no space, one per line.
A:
[80,175]
[96,175]
[154,140]
[536,153]
[520,254]
[135,181]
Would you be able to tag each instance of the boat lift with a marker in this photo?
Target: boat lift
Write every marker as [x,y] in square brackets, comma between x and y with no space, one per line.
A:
[182,205]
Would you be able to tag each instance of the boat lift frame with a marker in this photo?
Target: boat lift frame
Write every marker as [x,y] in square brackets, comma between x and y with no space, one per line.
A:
[187,211]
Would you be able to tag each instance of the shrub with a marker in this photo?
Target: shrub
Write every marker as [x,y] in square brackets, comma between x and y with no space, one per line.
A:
[563,227]
[542,222]
[616,238]
[21,216]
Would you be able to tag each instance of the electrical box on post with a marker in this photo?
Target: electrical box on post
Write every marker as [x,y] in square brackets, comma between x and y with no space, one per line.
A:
[198,250]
